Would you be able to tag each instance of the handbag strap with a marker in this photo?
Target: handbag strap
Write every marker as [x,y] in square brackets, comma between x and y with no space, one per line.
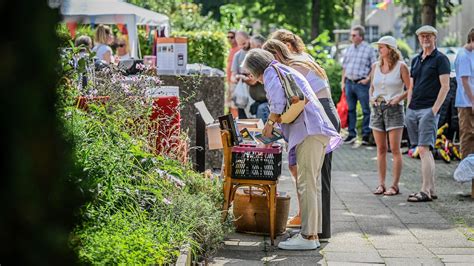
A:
[290,87]
[286,88]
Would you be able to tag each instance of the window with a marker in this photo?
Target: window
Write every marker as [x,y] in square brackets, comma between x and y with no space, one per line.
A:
[372,33]
[372,3]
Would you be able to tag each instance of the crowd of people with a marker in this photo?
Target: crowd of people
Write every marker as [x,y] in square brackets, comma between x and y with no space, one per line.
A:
[380,83]
[102,45]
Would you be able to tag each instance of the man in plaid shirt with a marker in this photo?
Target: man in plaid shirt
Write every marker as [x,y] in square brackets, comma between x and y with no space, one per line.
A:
[356,67]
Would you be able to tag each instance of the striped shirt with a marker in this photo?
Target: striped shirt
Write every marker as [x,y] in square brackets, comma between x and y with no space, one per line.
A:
[358,60]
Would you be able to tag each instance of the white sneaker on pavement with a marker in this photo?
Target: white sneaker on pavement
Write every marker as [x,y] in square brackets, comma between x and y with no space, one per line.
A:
[298,242]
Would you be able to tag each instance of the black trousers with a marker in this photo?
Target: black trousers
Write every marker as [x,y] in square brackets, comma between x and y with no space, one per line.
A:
[331,112]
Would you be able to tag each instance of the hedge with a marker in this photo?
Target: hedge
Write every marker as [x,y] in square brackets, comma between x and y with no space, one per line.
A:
[205,47]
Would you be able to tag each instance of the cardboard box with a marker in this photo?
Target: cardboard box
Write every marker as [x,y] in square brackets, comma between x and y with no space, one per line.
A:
[250,123]
[213,133]
[213,130]
[171,55]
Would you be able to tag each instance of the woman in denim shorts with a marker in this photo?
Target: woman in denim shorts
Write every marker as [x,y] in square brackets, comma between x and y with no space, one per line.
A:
[389,76]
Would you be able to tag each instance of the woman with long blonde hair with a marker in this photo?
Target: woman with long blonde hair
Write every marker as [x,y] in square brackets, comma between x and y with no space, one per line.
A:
[389,76]
[103,38]
[318,80]
[311,134]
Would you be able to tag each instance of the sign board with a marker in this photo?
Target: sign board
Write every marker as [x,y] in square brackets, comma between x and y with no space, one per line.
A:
[171,55]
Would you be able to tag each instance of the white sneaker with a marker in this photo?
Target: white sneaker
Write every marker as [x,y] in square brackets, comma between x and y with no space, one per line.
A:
[297,242]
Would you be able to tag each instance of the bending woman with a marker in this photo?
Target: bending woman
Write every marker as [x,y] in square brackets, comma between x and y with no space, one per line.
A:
[312,134]
[318,80]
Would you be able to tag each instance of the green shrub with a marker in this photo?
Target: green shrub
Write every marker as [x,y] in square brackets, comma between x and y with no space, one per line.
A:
[404,48]
[450,41]
[319,50]
[205,47]
[143,207]
[64,36]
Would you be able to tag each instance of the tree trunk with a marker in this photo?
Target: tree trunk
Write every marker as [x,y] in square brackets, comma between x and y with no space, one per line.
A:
[315,18]
[428,12]
[362,12]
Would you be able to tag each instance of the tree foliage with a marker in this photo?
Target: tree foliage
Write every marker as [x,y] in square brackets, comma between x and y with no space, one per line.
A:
[292,15]
[413,13]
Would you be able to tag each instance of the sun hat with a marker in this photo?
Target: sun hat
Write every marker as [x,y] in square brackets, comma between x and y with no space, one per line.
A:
[427,29]
[388,40]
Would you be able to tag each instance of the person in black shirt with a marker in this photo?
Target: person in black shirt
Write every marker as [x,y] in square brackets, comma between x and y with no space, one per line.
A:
[429,87]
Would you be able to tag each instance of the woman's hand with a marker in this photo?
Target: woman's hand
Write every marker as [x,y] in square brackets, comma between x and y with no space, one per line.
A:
[267,130]
[394,101]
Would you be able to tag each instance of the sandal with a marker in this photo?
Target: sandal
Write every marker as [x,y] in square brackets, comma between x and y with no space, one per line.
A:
[419,197]
[392,191]
[379,190]
[432,196]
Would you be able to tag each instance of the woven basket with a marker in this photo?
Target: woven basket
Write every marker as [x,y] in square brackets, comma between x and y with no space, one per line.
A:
[252,216]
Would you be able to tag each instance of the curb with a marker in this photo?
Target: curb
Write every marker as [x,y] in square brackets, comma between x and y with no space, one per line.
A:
[185,256]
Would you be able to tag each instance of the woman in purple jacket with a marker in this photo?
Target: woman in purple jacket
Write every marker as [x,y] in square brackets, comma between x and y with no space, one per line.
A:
[312,133]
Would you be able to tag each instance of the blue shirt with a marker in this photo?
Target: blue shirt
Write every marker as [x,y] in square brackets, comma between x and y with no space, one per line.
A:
[464,66]
[312,121]
[358,61]
[425,74]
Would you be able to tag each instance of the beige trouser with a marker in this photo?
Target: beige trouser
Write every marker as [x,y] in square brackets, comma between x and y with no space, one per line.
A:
[309,158]
[466,130]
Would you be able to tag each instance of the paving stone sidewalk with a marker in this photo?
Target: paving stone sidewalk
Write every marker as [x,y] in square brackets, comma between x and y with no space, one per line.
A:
[367,229]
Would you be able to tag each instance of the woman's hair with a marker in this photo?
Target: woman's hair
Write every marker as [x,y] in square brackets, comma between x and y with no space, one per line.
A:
[84,41]
[287,36]
[258,39]
[102,33]
[256,61]
[393,57]
[125,41]
[282,53]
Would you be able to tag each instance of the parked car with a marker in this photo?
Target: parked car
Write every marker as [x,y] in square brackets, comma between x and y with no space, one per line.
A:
[451,53]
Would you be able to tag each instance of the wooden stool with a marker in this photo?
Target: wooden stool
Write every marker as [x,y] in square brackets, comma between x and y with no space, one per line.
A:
[231,185]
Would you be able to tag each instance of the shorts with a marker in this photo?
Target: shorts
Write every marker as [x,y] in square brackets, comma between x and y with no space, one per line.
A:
[422,125]
[385,117]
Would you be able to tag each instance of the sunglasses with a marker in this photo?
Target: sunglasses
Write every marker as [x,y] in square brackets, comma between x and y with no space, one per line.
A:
[354,35]
[121,45]
[230,37]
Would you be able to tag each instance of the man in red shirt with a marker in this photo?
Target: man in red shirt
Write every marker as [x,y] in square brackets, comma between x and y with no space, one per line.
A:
[230,86]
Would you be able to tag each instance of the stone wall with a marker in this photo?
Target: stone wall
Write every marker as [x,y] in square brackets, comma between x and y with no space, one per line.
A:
[194,89]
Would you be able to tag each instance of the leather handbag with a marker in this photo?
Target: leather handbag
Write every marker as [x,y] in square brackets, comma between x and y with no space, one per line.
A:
[295,99]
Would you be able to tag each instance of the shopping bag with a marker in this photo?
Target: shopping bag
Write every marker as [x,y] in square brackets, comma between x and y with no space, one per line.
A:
[465,171]
[241,95]
[343,110]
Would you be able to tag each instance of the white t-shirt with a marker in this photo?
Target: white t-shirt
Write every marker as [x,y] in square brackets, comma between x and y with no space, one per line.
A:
[100,50]
[464,66]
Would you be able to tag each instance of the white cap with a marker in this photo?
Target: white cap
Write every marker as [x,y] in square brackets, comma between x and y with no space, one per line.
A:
[388,40]
[427,29]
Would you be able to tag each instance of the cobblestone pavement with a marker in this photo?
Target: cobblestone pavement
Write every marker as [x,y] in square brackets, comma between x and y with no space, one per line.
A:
[369,229]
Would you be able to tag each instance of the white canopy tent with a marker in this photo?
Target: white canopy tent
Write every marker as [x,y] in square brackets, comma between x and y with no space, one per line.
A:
[114,12]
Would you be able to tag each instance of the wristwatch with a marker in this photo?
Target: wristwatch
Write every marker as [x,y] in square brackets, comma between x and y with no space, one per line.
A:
[271,122]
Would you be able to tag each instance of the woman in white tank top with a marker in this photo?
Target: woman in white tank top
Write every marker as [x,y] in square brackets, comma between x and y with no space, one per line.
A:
[389,77]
